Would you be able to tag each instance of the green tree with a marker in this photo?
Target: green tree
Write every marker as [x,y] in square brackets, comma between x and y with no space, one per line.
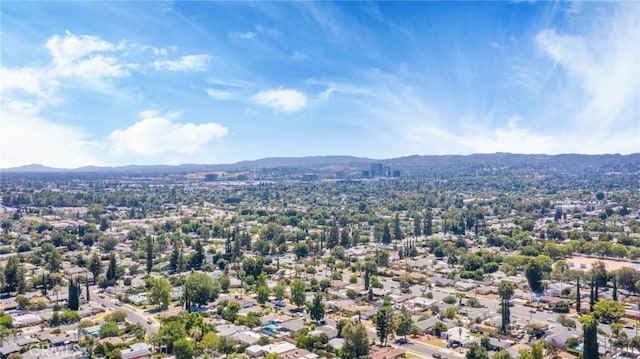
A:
[298,289]
[95,266]
[333,239]
[109,329]
[176,253]
[170,332]
[225,283]
[73,301]
[200,289]
[533,272]
[590,327]
[316,308]
[505,290]
[53,260]
[160,293]
[14,275]
[476,351]
[197,258]
[608,309]
[386,234]
[262,294]
[404,322]
[428,223]
[149,249]
[384,323]
[183,349]
[397,230]
[356,341]
[112,270]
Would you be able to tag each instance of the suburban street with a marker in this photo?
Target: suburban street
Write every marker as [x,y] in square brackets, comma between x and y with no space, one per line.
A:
[133,315]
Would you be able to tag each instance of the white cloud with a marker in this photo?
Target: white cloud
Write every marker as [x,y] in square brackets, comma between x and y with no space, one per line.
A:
[282,99]
[24,79]
[189,63]
[235,35]
[156,134]
[219,94]
[95,67]
[67,49]
[27,138]
[603,67]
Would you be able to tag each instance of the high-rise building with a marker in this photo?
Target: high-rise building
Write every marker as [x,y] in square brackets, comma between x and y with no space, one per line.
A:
[376,170]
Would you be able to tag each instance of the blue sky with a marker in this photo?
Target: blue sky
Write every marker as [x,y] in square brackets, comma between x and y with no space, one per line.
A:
[114,83]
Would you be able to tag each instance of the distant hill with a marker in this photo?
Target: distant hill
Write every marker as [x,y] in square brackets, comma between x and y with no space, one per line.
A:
[496,160]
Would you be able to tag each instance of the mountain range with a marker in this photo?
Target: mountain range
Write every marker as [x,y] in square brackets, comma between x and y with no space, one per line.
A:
[612,161]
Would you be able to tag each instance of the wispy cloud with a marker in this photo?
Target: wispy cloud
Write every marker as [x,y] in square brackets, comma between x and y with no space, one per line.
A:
[188,63]
[603,66]
[247,35]
[282,99]
[219,94]
[156,134]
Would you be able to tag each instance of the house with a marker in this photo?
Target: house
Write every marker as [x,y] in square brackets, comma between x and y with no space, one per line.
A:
[421,302]
[26,320]
[498,344]
[460,335]
[136,351]
[426,326]
[298,354]
[8,349]
[293,325]
[24,341]
[378,352]
[6,305]
[442,282]
[137,299]
[255,351]
[246,337]
[330,331]
[228,330]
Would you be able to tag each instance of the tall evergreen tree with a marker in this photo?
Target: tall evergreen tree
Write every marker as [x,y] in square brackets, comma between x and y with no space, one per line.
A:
[417,227]
[505,290]
[236,245]
[428,223]
[86,284]
[590,327]
[175,256]
[14,274]
[316,308]
[197,258]
[592,298]
[95,266]
[397,230]
[149,249]
[386,234]
[578,299]
[384,323]
[112,269]
[333,239]
[73,301]
[345,241]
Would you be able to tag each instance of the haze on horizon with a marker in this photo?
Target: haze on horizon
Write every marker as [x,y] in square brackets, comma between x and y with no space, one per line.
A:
[118,83]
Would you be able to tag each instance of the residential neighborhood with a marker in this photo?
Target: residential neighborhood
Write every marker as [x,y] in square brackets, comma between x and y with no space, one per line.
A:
[130,266]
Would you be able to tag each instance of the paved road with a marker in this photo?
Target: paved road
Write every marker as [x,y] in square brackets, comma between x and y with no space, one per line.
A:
[426,351]
[133,315]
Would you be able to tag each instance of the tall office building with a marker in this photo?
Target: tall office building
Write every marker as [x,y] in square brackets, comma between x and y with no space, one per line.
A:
[376,170]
